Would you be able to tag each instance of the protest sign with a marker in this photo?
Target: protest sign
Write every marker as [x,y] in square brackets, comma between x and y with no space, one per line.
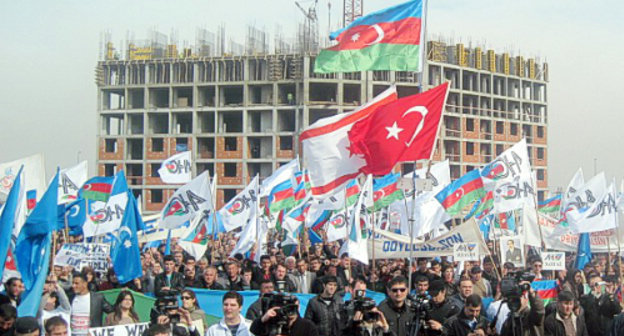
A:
[120,330]
[466,252]
[553,261]
[392,246]
[81,255]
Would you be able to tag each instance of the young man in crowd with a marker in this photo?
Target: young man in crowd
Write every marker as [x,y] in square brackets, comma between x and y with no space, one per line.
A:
[324,309]
[394,308]
[468,322]
[169,279]
[232,323]
[55,326]
[86,307]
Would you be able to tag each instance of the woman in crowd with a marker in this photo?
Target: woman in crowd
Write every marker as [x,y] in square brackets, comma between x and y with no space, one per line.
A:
[198,316]
[448,276]
[124,310]
[91,279]
[111,281]
[574,283]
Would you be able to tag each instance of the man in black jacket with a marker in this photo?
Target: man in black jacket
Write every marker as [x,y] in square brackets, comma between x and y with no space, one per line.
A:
[297,326]
[209,280]
[442,309]
[86,307]
[280,277]
[233,280]
[395,309]
[600,307]
[324,309]
[255,310]
[563,321]
[169,279]
[469,321]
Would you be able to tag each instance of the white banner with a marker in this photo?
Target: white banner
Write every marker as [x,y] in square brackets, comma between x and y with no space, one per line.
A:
[176,169]
[553,261]
[33,175]
[107,217]
[600,216]
[466,252]
[120,330]
[81,255]
[70,181]
[392,246]
[187,201]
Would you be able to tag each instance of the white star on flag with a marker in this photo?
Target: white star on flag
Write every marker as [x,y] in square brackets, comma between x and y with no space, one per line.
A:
[355,37]
[393,132]
[127,244]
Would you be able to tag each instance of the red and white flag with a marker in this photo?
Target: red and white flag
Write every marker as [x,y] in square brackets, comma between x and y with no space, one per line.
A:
[404,130]
[326,146]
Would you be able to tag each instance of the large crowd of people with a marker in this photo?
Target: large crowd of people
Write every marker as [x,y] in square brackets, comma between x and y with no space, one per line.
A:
[438,296]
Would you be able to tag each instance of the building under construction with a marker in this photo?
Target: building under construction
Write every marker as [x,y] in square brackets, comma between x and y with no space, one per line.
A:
[239,109]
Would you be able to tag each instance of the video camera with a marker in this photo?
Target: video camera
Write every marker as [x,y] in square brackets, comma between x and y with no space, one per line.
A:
[166,304]
[287,304]
[512,290]
[363,304]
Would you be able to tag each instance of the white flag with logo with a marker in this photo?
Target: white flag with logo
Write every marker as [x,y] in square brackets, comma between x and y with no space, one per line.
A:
[70,181]
[583,199]
[176,169]
[509,177]
[105,217]
[187,201]
[242,208]
[599,216]
[337,226]
[357,246]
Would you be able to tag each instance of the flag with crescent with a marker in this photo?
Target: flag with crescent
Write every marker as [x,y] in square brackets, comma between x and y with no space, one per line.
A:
[404,130]
[388,39]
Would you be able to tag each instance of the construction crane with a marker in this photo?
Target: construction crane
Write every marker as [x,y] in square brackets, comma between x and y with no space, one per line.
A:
[310,23]
[352,9]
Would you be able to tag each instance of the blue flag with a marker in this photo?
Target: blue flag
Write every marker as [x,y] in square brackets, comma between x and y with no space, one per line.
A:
[168,244]
[120,185]
[125,252]
[32,250]
[7,218]
[584,254]
[76,215]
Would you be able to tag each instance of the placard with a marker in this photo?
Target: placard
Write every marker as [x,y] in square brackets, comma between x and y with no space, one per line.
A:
[466,252]
[82,255]
[553,261]
[136,329]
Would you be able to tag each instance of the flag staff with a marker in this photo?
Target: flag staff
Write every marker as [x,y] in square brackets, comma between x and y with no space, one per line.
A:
[412,220]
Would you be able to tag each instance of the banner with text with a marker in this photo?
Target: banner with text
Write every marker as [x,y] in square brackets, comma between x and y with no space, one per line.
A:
[553,261]
[466,252]
[82,255]
[136,329]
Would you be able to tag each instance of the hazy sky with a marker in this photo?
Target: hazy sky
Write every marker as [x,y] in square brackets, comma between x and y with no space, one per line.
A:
[50,49]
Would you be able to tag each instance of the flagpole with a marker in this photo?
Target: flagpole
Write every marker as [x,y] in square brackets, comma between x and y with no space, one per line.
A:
[257,205]
[374,238]
[412,220]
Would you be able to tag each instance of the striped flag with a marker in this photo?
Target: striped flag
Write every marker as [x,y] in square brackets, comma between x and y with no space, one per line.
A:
[386,191]
[281,197]
[97,188]
[505,221]
[352,193]
[551,205]
[461,192]
[546,290]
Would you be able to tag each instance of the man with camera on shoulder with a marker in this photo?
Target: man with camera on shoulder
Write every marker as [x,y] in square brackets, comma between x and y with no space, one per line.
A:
[167,314]
[441,308]
[282,319]
[364,319]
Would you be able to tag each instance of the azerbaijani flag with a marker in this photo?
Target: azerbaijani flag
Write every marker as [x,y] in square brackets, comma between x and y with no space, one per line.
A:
[551,205]
[352,193]
[482,207]
[389,39]
[546,290]
[505,221]
[385,191]
[31,199]
[461,192]
[97,188]
[282,197]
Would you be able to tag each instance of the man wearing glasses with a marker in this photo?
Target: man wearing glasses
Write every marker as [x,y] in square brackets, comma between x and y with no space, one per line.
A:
[536,268]
[394,308]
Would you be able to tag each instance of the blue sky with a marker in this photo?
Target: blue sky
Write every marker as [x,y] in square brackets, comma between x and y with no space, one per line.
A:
[50,49]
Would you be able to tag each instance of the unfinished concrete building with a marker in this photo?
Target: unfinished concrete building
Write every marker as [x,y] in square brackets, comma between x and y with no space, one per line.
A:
[241,115]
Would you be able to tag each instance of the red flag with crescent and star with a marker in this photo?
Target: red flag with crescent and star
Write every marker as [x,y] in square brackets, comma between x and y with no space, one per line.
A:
[403,130]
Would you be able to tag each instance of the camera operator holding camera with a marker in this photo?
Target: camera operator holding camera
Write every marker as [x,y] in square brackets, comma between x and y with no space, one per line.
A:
[467,322]
[167,313]
[441,308]
[364,319]
[600,305]
[395,309]
[281,317]
[521,311]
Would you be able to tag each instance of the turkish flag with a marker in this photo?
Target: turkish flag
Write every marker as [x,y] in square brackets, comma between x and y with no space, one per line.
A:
[404,130]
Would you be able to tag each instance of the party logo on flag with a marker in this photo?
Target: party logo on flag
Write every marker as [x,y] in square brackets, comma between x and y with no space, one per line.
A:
[338,221]
[7,180]
[31,199]
[181,204]
[174,208]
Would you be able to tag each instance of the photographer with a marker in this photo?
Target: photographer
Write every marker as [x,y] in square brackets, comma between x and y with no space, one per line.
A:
[255,310]
[600,306]
[467,322]
[527,314]
[167,314]
[294,324]
[441,308]
[364,319]
[395,309]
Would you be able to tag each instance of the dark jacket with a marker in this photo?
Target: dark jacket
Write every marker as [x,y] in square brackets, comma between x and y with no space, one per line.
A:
[531,319]
[398,318]
[553,326]
[177,282]
[290,285]
[440,313]
[236,285]
[617,329]
[301,327]
[215,285]
[457,326]
[255,310]
[98,306]
[326,317]
[599,313]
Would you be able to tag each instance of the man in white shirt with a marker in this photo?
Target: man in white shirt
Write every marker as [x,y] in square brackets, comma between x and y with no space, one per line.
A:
[86,307]
[232,323]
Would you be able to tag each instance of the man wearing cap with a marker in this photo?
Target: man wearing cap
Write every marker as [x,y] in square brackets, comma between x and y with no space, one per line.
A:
[324,309]
[27,326]
[563,321]
[480,286]
[442,308]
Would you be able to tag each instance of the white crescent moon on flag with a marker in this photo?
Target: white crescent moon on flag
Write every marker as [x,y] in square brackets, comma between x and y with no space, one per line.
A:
[87,186]
[423,111]
[73,213]
[125,229]
[460,192]
[380,34]
[381,193]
